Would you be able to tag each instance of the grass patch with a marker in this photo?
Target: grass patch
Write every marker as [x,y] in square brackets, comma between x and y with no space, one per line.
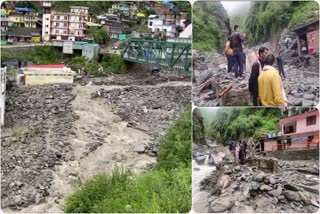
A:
[166,189]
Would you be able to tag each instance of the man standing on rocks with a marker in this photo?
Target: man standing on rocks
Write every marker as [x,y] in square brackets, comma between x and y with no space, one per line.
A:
[271,92]
[280,62]
[236,44]
[255,71]
[232,149]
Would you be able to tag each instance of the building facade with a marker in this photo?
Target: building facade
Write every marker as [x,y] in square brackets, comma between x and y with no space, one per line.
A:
[300,131]
[64,25]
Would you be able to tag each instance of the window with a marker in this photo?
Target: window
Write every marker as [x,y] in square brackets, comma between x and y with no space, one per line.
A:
[311,120]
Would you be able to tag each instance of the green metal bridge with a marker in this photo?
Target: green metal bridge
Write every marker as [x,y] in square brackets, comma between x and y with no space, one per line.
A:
[174,56]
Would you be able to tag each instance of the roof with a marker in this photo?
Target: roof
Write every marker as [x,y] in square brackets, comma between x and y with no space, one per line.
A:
[23,31]
[305,25]
[92,24]
[35,34]
[46,66]
[79,7]
[24,9]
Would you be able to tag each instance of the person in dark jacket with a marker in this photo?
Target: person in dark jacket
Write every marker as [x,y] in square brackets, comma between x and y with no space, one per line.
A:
[280,62]
[236,44]
[255,71]
[242,153]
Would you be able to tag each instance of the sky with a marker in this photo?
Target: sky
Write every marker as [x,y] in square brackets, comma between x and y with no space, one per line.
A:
[236,7]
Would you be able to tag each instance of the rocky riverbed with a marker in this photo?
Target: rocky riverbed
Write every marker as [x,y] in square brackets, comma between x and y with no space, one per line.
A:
[246,188]
[56,136]
[39,121]
[148,109]
[301,84]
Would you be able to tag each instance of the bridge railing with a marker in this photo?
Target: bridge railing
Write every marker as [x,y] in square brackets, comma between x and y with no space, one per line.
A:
[174,56]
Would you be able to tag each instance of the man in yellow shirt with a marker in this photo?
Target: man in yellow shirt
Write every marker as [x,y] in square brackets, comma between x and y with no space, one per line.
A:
[271,92]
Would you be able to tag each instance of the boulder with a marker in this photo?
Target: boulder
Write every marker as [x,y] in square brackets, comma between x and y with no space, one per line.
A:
[308,96]
[200,159]
[259,177]
[224,181]
[242,209]
[292,196]
[265,188]
[304,198]
[140,148]
[273,180]
[255,185]
[221,204]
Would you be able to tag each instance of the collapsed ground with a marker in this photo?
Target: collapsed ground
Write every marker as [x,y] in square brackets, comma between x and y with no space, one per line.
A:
[57,136]
[228,187]
[301,83]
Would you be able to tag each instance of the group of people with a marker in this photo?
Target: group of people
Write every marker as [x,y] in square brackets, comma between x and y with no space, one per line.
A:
[242,150]
[265,83]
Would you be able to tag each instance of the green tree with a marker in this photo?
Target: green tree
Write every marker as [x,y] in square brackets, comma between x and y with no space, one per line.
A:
[100,36]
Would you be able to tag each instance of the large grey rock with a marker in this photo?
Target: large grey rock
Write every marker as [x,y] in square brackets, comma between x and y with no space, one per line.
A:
[273,180]
[308,96]
[140,148]
[277,192]
[224,181]
[242,209]
[221,204]
[265,188]
[200,159]
[292,196]
[304,198]
[307,102]
[259,177]
[255,185]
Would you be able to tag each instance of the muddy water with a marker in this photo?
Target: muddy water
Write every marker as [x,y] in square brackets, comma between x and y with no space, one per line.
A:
[200,197]
[95,118]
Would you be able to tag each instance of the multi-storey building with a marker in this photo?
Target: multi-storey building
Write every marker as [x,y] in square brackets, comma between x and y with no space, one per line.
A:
[4,21]
[166,23]
[22,17]
[64,25]
[299,131]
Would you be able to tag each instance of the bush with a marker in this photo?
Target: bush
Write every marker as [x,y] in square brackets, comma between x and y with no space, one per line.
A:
[166,190]
[120,192]
[113,63]
[78,63]
[175,147]
[92,67]
[100,36]
[37,54]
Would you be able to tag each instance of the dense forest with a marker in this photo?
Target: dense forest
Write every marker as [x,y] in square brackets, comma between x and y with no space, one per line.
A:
[198,127]
[210,25]
[223,124]
[267,19]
